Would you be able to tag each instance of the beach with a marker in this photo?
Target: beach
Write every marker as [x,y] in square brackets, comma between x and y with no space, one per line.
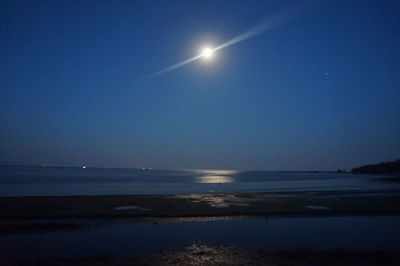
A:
[281,204]
[203,255]
[285,223]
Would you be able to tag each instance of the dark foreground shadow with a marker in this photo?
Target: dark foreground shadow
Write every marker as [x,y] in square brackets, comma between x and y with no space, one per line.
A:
[204,255]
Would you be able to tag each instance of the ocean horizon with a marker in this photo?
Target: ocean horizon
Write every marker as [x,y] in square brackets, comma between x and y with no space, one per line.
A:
[68,181]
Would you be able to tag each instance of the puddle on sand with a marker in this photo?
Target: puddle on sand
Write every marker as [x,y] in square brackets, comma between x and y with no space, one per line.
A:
[121,237]
[220,200]
[314,207]
[131,207]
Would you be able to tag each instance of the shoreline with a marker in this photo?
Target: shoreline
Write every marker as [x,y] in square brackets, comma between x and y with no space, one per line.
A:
[43,225]
[258,204]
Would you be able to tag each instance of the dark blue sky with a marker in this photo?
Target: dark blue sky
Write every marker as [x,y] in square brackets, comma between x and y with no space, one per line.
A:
[319,92]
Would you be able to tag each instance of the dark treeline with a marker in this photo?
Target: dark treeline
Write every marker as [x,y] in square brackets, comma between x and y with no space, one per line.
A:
[380,168]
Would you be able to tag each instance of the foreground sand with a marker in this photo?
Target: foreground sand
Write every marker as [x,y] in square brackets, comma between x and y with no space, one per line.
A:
[30,214]
[203,255]
[204,205]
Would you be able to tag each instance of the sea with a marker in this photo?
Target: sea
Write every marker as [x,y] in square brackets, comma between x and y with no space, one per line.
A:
[66,181]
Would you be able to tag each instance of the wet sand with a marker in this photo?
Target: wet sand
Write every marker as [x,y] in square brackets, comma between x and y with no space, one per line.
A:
[25,215]
[204,205]
[204,255]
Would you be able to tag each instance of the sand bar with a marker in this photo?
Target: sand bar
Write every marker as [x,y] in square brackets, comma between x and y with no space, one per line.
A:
[204,205]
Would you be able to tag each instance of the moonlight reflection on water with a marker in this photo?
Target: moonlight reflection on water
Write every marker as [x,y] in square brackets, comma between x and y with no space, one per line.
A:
[214,179]
[215,176]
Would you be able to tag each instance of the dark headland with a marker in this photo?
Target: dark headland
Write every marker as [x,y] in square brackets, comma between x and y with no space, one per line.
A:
[389,168]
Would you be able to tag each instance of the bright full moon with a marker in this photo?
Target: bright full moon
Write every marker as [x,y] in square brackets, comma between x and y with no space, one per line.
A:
[207,53]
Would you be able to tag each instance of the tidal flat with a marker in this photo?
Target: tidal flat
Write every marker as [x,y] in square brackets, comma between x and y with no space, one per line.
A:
[282,204]
[357,227]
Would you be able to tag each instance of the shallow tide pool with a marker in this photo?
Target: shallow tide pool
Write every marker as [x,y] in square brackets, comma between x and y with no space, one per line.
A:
[135,237]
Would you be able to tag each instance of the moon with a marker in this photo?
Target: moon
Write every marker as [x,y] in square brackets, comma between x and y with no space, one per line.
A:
[207,53]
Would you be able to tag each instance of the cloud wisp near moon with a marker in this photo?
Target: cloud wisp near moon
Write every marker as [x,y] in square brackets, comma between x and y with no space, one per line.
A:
[271,22]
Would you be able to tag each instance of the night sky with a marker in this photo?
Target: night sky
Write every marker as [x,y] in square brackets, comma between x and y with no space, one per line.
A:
[319,92]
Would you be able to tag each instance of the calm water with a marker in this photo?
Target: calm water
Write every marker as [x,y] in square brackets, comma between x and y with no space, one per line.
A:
[21,181]
[129,237]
